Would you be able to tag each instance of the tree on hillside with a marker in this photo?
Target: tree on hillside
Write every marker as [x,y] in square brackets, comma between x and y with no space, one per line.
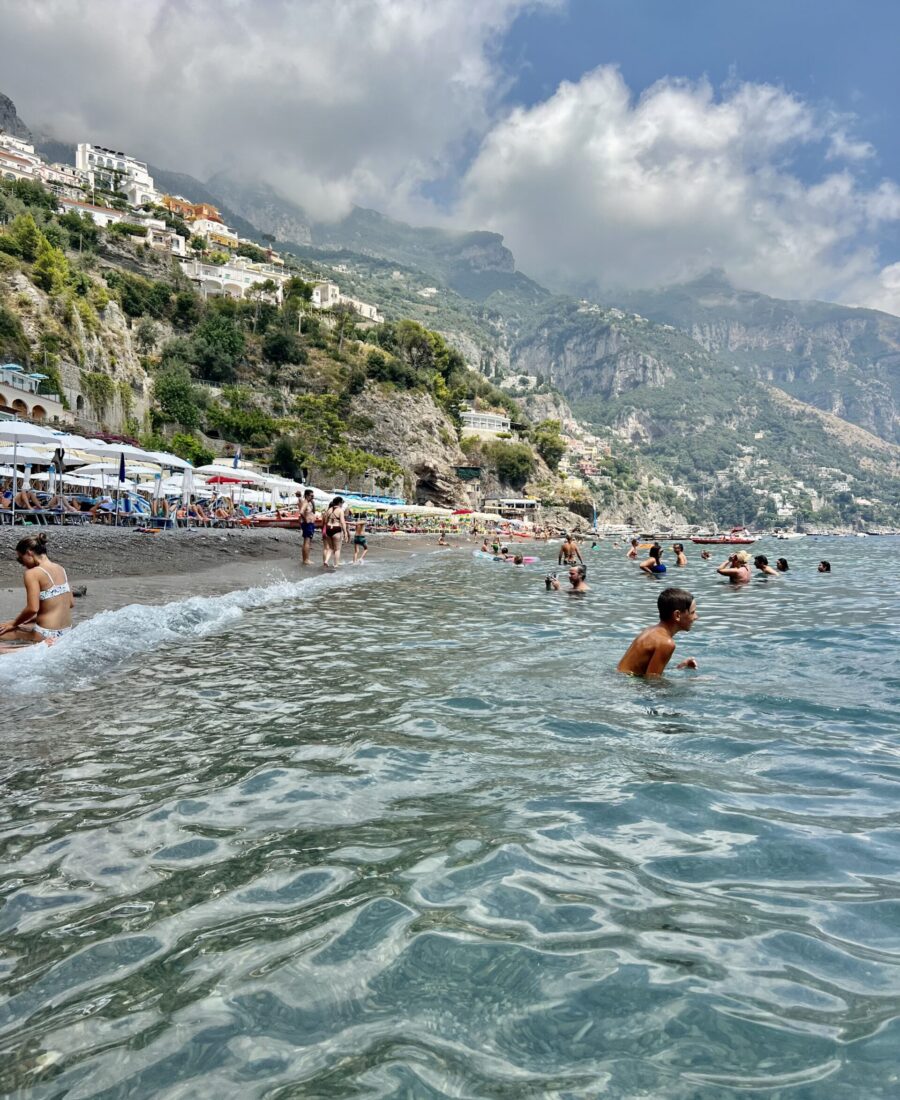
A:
[549,442]
[51,268]
[176,397]
[26,237]
[216,348]
[346,317]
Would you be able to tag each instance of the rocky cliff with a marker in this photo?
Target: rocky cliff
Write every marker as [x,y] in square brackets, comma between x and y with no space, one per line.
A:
[10,121]
[842,360]
[102,378]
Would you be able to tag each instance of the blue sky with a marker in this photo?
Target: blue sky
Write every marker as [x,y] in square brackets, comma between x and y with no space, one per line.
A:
[839,53]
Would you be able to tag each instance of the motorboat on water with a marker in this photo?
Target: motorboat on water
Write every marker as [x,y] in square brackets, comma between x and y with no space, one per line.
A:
[785,536]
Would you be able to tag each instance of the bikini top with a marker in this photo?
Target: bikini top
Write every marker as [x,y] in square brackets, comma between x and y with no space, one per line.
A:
[54,589]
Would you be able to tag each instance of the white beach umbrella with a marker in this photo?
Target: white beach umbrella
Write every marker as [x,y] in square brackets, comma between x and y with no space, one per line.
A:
[172,461]
[231,473]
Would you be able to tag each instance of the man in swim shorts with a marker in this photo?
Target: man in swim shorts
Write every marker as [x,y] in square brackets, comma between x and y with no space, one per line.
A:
[569,554]
[307,522]
[651,650]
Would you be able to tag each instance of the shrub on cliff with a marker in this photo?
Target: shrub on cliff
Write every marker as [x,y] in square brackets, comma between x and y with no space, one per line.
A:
[514,462]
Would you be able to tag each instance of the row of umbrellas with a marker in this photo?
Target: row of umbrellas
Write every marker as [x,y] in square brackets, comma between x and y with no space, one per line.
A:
[127,466]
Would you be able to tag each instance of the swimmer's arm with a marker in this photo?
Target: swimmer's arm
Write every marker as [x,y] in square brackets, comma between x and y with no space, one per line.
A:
[647,565]
[660,658]
[32,604]
[689,663]
[727,570]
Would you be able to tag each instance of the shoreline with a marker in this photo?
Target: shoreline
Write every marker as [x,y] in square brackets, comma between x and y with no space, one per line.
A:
[119,567]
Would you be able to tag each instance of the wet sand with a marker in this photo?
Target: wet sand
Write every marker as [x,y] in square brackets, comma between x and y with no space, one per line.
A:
[120,567]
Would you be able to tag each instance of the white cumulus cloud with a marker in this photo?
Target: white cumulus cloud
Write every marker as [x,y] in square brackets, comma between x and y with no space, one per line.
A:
[331,101]
[595,183]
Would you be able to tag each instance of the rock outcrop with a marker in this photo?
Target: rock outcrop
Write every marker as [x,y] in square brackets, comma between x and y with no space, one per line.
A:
[10,121]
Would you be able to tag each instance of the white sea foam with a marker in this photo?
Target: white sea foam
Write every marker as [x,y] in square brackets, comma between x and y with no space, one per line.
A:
[111,637]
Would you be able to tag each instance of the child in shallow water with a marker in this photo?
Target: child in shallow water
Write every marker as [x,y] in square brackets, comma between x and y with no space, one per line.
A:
[652,649]
[360,543]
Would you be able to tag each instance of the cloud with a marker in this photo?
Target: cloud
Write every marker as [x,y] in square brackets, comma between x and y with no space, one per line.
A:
[331,101]
[335,102]
[595,184]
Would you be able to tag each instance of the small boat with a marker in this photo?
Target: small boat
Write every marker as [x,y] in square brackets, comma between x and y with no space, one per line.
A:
[786,535]
[738,536]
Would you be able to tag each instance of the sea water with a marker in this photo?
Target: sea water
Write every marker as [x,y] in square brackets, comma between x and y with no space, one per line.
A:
[404,832]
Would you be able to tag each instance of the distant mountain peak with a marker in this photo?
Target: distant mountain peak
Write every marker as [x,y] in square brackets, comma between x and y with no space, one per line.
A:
[10,121]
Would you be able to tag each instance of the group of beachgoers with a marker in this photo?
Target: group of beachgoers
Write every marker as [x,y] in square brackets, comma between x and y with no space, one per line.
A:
[47,615]
[335,525]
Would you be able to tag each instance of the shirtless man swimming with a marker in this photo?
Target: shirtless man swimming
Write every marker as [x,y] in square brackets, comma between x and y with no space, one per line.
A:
[651,650]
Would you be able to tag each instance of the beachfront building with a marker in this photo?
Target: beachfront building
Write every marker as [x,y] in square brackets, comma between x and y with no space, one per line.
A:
[485,425]
[328,295]
[236,279]
[19,395]
[512,507]
[113,170]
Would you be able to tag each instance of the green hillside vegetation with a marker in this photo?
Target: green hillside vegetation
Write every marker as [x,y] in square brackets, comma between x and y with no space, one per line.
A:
[278,380]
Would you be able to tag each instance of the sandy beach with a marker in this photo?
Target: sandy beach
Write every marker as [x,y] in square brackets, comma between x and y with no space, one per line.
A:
[120,566]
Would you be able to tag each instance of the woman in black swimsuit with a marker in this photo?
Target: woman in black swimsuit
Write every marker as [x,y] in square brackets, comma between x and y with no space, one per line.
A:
[334,530]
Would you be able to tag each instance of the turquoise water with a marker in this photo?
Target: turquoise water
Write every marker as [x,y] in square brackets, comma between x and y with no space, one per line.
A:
[405,833]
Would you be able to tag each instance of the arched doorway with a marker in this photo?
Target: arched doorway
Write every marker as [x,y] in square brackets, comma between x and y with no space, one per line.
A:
[79,403]
[20,407]
[38,412]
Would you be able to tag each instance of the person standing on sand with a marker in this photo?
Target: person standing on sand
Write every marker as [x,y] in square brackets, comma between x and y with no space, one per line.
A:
[334,531]
[652,649]
[47,614]
[736,568]
[307,523]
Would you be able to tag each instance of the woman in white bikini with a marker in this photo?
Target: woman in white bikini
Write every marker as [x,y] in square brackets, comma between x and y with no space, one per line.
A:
[48,606]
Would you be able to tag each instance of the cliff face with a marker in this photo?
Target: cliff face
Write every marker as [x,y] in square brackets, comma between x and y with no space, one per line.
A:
[10,121]
[410,428]
[86,352]
[842,360]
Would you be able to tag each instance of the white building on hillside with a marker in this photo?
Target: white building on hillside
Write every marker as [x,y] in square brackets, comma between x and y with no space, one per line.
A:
[18,160]
[235,279]
[115,171]
[215,232]
[62,179]
[328,295]
[484,424]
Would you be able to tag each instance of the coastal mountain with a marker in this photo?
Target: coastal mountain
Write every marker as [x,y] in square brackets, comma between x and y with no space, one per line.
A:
[840,359]
[732,404]
[10,121]
[475,264]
